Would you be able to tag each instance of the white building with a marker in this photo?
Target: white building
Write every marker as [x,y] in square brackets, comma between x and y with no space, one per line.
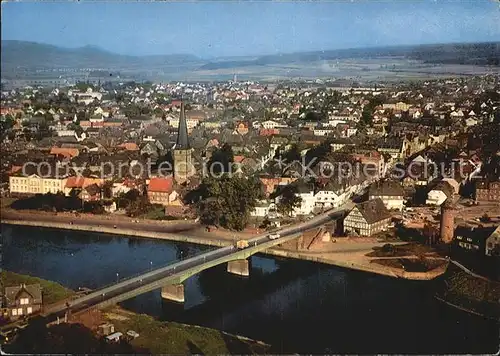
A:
[263,208]
[270,124]
[439,194]
[391,193]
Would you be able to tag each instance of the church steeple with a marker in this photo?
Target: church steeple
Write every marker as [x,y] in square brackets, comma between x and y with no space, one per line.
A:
[183,162]
[182,134]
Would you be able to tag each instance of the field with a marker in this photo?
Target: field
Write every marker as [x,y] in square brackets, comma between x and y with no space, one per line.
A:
[389,69]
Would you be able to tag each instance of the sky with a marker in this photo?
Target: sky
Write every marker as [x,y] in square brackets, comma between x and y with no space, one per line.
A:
[233,28]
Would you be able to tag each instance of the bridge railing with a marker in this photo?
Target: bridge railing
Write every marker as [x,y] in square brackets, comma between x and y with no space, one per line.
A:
[151,272]
[155,269]
[144,274]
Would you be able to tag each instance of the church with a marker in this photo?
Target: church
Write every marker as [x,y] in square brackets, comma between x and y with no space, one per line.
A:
[183,154]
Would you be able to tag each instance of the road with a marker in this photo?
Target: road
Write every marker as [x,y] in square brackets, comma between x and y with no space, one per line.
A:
[153,278]
[110,222]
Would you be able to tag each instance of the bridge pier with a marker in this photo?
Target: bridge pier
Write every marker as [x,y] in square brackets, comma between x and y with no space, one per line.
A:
[239,267]
[173,292]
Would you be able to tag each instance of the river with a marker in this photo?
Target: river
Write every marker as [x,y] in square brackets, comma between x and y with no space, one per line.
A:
[296,306]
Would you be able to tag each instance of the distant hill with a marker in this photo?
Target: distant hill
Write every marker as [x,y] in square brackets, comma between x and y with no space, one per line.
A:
[474,54]
[32,55]
[21,59]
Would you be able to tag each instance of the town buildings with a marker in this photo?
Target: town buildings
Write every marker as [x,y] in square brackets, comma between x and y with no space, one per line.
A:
[488,191]
[97,142]
[367,218]
[391,193]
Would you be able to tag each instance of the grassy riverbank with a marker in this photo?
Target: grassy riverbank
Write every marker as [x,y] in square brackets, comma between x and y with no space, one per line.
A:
[156,336]
[474,294]
[52,292]
[180,339]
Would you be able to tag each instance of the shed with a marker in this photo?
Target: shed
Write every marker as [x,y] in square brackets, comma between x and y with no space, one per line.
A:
[106,329]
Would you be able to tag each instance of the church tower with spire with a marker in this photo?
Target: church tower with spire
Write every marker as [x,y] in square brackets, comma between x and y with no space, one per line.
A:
[183,159]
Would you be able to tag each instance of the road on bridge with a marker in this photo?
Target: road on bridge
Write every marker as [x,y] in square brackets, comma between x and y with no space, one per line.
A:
[148,278]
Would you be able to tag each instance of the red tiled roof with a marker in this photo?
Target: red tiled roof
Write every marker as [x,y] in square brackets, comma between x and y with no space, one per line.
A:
[129,146]
[66,152]
[15,169]
[82,182]
[75,182]
[160,184]
[238,159]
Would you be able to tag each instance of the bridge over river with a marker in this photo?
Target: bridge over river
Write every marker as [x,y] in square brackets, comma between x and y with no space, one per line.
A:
[171,277]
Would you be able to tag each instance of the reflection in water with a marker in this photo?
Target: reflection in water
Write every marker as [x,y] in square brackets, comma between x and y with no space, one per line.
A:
[296,306]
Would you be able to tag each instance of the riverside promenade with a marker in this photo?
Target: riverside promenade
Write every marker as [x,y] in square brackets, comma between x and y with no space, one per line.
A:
[348,253]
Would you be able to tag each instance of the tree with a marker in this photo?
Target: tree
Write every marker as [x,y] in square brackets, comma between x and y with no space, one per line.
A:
[139,206]
[313,116]
[124,200]
[288,200]
[48,117]
[227,201]
[221,160]
[107,190]
[293,154]
[6,123]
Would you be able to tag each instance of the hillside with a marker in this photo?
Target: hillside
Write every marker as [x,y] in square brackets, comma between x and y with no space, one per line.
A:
[22,59]
[31,55]
[474,53]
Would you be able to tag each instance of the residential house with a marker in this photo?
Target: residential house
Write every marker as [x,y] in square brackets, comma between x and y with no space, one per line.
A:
[439,193]
[453,183]
[270,184]
[123,187]
[373,159]
[23,300]
[493,243]
[64,152]
[128,146]
[263,208]
[488,191]
[391,193]
[339,143]
[160,189]
[270,124]
[78,184]
[471,121]
[242,128]
[92,192]
[368,218]
[394,146]
[306,193]
[476,238]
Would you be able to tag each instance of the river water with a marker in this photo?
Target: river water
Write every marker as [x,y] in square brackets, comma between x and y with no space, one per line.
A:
[296,306]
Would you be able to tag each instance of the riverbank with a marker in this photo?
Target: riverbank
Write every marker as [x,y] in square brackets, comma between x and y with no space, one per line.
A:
[156,336]
[471,293]
[346,254]
[52,292]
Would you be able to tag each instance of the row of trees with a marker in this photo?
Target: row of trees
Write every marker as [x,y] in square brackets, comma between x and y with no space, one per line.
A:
[58,203]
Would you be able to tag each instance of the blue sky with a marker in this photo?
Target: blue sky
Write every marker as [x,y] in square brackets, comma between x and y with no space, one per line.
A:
[227,28]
